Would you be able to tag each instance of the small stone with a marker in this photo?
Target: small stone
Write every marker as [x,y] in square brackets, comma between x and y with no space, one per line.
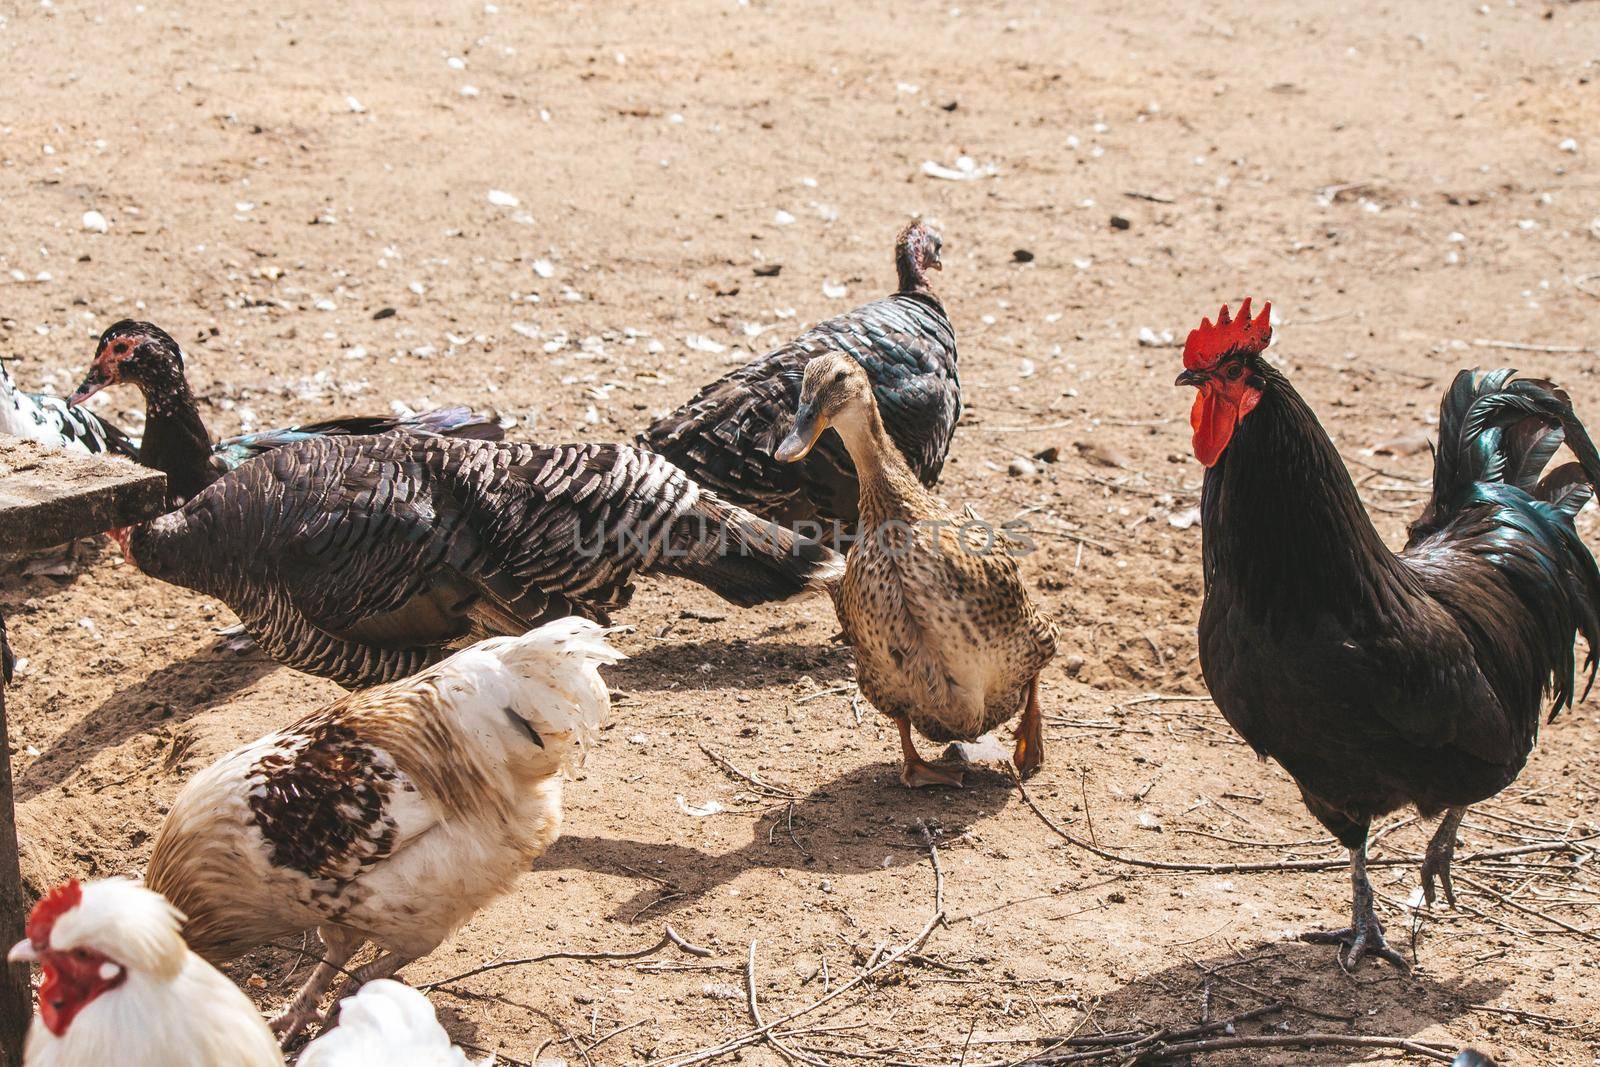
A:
[384,313]
[1072,665]
[1022,468]
[1120,223]
[94,222]
[1022,255]
[1048,455]
[767,270]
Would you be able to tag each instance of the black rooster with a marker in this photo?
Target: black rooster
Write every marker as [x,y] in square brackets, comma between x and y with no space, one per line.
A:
[1379,680]
[725,437]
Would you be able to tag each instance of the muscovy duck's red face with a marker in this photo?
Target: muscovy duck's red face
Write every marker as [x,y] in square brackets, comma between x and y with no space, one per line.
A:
[1221,362]
[74,977]
[133,352]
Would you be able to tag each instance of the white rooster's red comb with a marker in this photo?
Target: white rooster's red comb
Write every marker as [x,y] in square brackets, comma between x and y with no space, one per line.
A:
[53,905]
[1207,343]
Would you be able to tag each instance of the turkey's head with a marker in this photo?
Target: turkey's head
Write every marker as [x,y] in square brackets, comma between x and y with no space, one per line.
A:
[916,252]
[138,353]
[834,392]
[87,939]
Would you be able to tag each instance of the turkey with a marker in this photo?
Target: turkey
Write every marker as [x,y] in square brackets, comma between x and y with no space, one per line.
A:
[176,441]
[391,815]
[121,987]
[54,423]
[363,559]
[725,438]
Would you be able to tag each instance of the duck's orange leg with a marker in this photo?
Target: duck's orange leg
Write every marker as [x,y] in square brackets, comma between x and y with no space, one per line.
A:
[918,772]
[1029,753]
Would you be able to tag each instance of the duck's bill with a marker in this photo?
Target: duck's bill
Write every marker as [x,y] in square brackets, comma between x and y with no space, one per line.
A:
[808,426]
[93,382]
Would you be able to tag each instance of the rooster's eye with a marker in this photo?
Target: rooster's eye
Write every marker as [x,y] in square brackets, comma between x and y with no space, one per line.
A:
[1234,370]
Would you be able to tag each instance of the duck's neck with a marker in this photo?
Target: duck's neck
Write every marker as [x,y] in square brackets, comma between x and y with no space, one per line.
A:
[175,441]
[889,490]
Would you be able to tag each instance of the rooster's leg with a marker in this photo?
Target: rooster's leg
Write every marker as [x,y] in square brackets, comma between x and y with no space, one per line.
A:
[918,772]
[1029,753]
[1365,933]
[1441,850]
[384,966]
[337,948]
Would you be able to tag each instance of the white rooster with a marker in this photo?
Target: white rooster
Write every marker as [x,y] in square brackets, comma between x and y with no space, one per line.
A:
[120,987]
[390,815]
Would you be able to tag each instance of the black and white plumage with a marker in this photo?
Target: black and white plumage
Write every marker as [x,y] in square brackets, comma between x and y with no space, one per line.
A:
[52,422]
[176,441]
[725,437]
[363,559]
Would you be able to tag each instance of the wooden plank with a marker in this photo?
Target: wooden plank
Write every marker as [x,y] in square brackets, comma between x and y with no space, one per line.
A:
[49,497]
[16,989]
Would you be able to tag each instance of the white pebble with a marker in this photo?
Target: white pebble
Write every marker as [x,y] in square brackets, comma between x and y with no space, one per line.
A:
[95,222]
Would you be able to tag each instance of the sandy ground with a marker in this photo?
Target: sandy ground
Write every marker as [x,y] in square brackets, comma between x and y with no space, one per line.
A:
[1391,176]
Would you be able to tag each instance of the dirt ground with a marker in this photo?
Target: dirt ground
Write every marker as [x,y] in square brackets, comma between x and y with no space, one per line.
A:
[1397,178]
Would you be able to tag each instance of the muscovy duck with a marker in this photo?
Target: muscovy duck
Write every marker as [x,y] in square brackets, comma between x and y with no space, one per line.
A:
[54,423]
[363,559]
[176,441]
[725,438]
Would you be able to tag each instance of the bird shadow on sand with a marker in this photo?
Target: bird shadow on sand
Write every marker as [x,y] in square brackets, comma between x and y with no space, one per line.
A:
[864,820]
[173,694]
[729,663]
[1312,994]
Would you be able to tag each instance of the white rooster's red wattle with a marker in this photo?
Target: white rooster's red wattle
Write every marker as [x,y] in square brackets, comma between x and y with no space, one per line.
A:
[391,815]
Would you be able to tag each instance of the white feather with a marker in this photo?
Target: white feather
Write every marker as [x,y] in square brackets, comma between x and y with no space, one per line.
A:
[386,1024]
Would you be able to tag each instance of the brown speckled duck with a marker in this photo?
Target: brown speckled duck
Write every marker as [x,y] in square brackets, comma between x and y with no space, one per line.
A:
[947,639]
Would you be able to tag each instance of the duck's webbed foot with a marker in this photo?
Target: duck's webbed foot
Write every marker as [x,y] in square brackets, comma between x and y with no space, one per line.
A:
[917,772]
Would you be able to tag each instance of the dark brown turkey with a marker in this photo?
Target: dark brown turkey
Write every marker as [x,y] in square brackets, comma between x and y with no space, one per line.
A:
[363,559]
[725,437]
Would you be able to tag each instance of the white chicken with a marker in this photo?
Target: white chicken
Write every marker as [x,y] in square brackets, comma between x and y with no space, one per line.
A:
[121,987]
[386,1024]
[390,815]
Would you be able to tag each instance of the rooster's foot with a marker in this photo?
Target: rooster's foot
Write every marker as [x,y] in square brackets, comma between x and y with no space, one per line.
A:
[1441,850]
[1357,943]
[294,1021]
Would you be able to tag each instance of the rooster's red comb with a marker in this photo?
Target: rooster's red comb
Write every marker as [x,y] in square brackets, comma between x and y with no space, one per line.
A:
[54,904]
[1207,343]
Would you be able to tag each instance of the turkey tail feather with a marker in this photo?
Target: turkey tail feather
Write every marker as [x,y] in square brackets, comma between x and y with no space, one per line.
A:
[744,559]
